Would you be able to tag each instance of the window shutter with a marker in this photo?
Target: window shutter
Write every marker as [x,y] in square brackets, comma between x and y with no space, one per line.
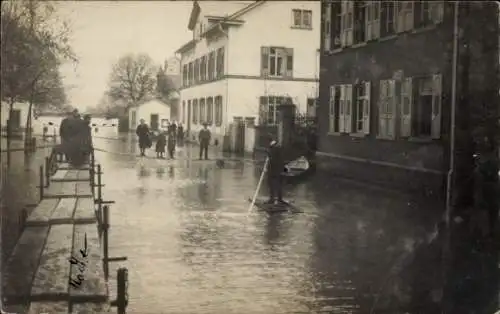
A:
[327,24]
[263,108]
[264,71]
[400,17]
[391,117]
[348,109]
[366,108]
[382,95]
[375,20]
[436,107]
[332,108]
[289,62]
[409,16]
[406,107]
[341,109]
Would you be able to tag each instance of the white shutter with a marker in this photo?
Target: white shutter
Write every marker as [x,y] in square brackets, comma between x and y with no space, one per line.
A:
[348,109]
[399,14]
[368,21]
[382,98]
[406,107]
[409,15]
[391,106]
[328,26]
[366,108]
[436,107]
[375,19]
[342,109]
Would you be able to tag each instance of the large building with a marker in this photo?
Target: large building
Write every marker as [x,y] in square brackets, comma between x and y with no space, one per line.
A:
[245,58]
[386,87]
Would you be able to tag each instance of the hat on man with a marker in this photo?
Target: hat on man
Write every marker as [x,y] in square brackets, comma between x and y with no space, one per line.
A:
[273,143]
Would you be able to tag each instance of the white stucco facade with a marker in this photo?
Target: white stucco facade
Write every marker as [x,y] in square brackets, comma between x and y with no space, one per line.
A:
[155,112]
[248,27]
[20,114]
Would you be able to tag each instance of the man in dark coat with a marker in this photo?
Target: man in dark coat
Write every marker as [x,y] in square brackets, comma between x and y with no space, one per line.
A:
[275,167]
[180,134]
[68,131]
[204,137]
[142,132]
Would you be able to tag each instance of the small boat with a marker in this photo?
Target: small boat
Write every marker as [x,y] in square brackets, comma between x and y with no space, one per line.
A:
[298,169]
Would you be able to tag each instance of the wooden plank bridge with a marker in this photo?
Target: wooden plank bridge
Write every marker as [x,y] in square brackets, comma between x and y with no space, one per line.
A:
[60,262]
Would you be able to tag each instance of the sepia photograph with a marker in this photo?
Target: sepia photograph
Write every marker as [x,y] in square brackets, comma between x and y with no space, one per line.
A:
[250,157]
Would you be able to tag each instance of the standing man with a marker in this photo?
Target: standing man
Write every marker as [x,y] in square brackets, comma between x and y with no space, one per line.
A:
[180,134]
[204,137]
[142,132]
[275,166]
[67,131]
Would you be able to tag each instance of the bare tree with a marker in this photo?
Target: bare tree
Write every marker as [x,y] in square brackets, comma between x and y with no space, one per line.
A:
[132,80]
[34,43]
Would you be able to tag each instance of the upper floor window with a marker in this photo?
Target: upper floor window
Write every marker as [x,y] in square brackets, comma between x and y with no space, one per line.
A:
[277,62]
[185,75]
[302,18]
[346,23]
[203,68]
[196,71]
[220,62]
[190,74]
[211,66]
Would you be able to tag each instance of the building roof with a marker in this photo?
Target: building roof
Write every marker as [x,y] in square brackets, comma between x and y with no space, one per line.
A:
[222,12]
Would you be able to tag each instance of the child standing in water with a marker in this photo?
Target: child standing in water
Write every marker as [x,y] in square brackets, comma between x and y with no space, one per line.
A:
[161,142]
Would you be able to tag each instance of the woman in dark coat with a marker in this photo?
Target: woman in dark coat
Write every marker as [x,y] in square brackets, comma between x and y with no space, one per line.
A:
[142,132]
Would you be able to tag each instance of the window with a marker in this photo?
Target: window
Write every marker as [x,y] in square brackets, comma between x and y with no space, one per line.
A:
[387,13]
[404,16]
[220,62]
[195,111]
[210,110]
[191,73]
[183,119]
[268,108]
[277,62]
[196,71]
[425,111]
[218,110]
[360,10]
[428,13]
[203,112]
[347,23]
[302,18]
[184,75]
[203,68]
[386,109]
[362,94]
[211,65]
[190,112]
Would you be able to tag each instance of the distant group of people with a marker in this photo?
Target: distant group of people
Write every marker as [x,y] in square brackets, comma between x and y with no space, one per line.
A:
[76,138]
[169,138]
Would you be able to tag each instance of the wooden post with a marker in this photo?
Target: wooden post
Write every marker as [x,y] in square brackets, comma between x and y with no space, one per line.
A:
[122,290]
[47,171]
[41,183]
[105,241]
[99,194]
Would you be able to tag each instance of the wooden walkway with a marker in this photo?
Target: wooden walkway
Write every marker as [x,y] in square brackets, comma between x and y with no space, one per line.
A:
[57,264]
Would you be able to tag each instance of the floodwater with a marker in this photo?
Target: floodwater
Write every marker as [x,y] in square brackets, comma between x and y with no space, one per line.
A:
[193,246]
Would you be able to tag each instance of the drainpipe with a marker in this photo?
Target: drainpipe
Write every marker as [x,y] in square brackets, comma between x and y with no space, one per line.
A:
[226,69]
[449,204]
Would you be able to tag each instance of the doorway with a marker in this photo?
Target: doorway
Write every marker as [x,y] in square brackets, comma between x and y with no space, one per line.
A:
[154,122]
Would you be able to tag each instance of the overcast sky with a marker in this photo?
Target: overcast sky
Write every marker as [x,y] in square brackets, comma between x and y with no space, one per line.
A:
[103,31]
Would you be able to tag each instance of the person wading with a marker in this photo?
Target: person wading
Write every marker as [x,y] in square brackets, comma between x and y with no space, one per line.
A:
[87,145]
[204,137]
[275,167]
[171,143]
[142,132]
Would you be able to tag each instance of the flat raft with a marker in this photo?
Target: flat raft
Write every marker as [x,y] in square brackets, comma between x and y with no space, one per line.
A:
[275,208]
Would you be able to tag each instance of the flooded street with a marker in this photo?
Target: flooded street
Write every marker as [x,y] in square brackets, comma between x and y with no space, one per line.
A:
[192,247]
